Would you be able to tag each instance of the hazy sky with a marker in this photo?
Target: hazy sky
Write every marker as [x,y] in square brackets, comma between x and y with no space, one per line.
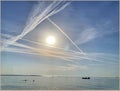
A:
[93,26]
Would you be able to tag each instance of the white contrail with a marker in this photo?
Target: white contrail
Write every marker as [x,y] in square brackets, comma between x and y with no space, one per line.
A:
[61,55]
[19,51]
[70,59]
[33,53]
[36,20]
[65,34]
[41,17]
[37,43]
[64,54]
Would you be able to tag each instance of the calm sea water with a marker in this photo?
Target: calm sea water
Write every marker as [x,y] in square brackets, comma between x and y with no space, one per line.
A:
[58,83]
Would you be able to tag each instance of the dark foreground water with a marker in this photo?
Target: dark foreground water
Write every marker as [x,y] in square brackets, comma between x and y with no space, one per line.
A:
[58,83]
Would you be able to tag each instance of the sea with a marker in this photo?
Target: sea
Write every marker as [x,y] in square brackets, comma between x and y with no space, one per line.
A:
[58,83]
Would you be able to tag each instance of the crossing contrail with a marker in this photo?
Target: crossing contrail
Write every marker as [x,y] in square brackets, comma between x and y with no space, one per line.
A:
[42,44]
[68,56]
[49,11]
[65,34]
[62,54]
[34,20]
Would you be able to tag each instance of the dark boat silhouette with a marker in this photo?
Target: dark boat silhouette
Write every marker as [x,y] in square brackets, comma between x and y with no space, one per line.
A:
[85,77]
[33,80]
[25,80]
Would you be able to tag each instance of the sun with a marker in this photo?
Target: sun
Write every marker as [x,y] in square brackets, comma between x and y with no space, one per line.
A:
[51,40]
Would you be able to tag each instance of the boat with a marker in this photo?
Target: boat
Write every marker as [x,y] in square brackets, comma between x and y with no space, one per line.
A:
[85,77]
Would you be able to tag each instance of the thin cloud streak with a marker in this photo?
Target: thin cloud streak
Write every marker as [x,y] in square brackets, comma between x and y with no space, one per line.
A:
[65,55]
[40,44]
[90,34]
[49,11]
[86,36]
[65,35]
[68,55]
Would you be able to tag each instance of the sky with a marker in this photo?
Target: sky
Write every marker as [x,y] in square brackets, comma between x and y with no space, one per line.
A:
[86,33]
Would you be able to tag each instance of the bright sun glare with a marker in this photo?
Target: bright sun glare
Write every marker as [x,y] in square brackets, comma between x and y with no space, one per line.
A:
[50,40]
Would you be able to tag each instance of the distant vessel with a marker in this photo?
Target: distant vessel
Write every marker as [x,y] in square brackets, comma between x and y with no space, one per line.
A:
[25,80]
[33,80]
[85,77]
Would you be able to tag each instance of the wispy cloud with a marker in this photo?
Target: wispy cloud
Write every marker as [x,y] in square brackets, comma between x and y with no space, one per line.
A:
[90,34]
[86,36]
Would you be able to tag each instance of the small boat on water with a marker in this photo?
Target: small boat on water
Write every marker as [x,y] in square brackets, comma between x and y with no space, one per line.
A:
[85,77]
[33,80]
[25,80]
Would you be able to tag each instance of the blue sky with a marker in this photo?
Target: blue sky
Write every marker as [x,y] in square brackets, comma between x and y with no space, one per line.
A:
[92,26]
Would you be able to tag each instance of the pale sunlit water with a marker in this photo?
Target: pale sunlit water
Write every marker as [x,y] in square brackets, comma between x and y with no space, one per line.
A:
[58,83]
